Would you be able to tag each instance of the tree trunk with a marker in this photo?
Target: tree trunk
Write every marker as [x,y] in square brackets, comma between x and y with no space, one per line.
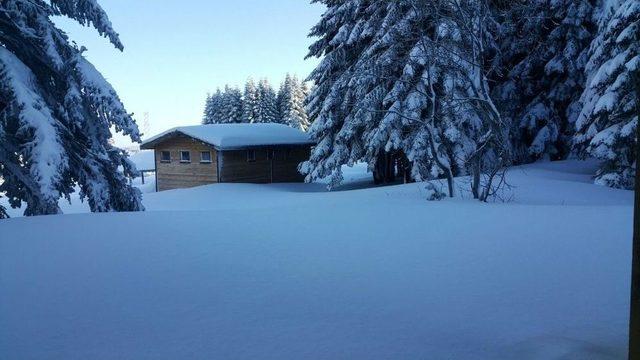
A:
[404,169]
[378,171]
[385,169]
[475,181]
[390,168]
[450,183]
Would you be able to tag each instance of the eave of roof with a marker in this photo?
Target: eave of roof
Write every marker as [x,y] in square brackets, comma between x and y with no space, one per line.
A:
[155,140]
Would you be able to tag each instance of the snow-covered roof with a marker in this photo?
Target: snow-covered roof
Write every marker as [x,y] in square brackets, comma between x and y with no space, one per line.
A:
[234,136]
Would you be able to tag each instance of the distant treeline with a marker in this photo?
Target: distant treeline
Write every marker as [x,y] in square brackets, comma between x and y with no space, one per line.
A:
[259,104]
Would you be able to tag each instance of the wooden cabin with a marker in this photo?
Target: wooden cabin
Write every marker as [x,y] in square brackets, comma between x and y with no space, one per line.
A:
[190,156]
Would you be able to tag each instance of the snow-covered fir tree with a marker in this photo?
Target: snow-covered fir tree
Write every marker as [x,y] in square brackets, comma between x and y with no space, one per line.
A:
[57,111]
[267,106]
[346,103]
[291,103]
[606,125]
[282,98]
[213,112]
[344,31]
[447,87]
[394,84]
[455,125]
[543,51]
[207,114]
[250,102]
[259,104]
[231,106]
[306,90]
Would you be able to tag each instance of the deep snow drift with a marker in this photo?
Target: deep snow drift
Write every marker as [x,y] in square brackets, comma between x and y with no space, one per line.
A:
[293,272]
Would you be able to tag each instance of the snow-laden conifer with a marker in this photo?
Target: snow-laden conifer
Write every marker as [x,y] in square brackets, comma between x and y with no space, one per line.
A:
[57,112]
[267,104]
[213,113]
[543,52]
[405,79]
[291,103]
[250,102]
[606,125]
[231,106]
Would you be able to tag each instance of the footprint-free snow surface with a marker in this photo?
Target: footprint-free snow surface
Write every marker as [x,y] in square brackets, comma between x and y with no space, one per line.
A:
[294,272]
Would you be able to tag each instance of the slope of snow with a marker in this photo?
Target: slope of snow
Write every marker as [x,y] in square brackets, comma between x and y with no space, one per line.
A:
[229,136]
[293,272]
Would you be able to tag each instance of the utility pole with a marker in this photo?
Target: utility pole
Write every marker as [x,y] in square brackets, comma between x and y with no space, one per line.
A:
[634,318]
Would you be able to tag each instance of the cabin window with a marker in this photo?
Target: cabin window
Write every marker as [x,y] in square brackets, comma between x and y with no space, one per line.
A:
[205,157]
[165,156]
[251,155]
[185,156]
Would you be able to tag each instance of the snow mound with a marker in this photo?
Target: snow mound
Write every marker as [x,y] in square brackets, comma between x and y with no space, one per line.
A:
[289,271]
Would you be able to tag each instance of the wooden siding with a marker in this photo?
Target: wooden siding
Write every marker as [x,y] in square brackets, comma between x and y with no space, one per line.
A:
[175,174]
[286,161]
[234,166]
[272,164]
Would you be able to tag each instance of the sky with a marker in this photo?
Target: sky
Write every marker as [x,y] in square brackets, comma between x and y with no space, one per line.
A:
[177,51]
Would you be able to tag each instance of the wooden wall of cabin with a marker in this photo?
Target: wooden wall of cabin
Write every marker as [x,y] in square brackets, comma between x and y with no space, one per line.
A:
[286,161]
[272,164]
[235,167]
[176,174]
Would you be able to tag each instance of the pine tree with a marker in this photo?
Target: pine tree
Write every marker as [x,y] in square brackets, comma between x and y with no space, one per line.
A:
[213,109]
[281,100]
[369,88]
[298,118]
[231,107]
[543,51]
[306,90]
[470,86]
[608,118]
[344,31]
[267,103]
[291,103]
[406,80]
[250,102]
[57,111]
[360,44]
[208,110]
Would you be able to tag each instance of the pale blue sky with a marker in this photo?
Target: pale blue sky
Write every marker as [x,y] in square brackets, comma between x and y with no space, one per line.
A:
[177,51]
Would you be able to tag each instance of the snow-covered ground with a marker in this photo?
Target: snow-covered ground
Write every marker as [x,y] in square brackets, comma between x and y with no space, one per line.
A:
[290,271]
